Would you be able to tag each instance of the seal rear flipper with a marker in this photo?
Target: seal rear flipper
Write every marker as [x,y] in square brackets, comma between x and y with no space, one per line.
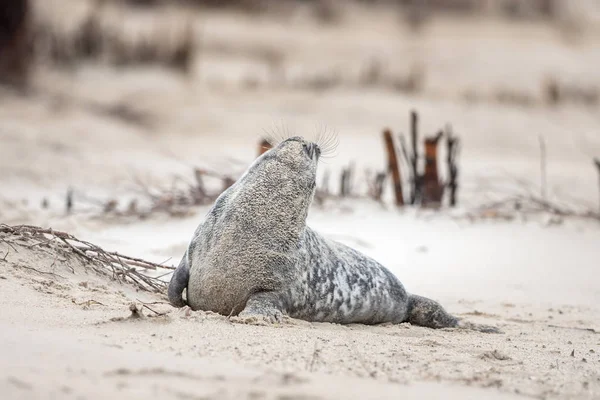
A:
[179,282]
[426,312]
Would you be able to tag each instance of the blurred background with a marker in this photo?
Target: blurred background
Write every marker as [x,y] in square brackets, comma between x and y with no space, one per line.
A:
[463,135]
[110,103]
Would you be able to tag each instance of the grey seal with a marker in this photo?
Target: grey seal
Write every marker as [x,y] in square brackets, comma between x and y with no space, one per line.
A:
[254,256]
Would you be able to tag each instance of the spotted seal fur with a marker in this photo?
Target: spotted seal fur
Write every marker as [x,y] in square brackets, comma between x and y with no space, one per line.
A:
[254,256]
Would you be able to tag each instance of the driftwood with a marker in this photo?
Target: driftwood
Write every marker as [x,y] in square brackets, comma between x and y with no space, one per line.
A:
[122,268]
[393,168]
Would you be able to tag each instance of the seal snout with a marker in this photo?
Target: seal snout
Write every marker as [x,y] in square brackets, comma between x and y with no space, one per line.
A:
[312,150]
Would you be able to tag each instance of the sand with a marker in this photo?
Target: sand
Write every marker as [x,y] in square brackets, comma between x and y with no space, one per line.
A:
[66,333]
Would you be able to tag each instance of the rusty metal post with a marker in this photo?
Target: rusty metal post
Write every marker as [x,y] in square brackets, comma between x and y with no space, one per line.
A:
[393,166]
[433,190]
[263,147]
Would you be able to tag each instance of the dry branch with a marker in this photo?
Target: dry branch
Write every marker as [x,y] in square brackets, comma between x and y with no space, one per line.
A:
[177,199]
[527,204]
[414,134]
[119,265]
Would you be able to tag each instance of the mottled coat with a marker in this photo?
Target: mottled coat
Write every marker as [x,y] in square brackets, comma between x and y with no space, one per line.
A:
[254,256]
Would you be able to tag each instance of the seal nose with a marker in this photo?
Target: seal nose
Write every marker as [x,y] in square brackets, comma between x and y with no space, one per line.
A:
[312,150]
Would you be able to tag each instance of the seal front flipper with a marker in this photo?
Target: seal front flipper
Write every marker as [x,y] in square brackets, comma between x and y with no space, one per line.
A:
[265,306]
[179,282]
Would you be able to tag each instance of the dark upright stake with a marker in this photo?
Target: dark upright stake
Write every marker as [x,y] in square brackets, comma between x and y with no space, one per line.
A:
[416,183]
[452,150]
[393,166]
[432,190]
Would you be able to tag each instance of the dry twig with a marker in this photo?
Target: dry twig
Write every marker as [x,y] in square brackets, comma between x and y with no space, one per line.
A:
[119,265]
[597,163]
[527,204]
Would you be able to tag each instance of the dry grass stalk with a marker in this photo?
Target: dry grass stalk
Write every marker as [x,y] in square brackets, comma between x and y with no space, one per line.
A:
[121,267]
[375,184]
[527,204]
[176,200]
[114,33]
[556,92]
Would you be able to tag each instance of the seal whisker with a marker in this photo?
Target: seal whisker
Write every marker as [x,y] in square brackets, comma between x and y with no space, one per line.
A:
[328,141]
[272,135]
[277,133]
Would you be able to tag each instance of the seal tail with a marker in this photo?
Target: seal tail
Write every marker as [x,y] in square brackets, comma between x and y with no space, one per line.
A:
[179,282]
[426,312]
